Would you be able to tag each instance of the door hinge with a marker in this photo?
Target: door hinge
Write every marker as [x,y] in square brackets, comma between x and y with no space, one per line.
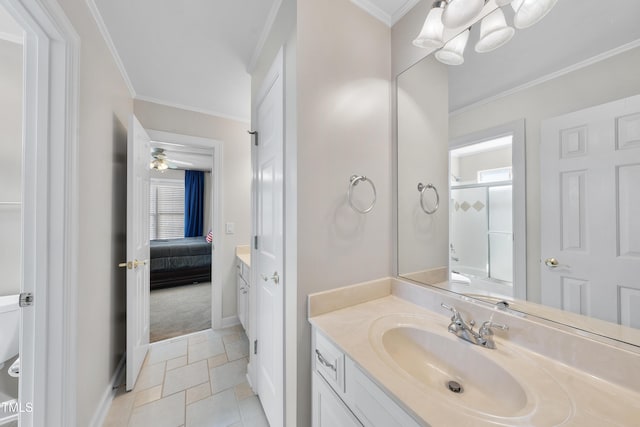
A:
[255,242]
[26,299]
[254,134]
[255,347]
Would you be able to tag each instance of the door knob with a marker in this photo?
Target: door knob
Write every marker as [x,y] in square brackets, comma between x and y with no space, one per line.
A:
[132,264]
[275,277]
[553,263]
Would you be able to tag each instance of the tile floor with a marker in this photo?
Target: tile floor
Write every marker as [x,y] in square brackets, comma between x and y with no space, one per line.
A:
[193,381]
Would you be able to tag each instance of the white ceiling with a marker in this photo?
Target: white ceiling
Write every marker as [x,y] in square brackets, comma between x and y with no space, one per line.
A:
[192,54]
[573,32]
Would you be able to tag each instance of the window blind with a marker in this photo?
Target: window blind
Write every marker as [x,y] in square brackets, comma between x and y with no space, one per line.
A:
[166,209]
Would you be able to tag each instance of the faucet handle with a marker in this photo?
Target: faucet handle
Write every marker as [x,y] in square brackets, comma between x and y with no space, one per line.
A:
[452,309]
[486,327]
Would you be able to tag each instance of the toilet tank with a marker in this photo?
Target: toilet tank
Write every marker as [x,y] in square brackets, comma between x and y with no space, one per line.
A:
[9,327]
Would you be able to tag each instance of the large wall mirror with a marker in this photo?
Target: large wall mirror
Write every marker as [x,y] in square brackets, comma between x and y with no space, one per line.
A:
[519,170]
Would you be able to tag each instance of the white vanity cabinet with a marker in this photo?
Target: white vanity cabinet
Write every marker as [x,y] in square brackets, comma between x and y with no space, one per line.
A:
[344,396]
[243,287]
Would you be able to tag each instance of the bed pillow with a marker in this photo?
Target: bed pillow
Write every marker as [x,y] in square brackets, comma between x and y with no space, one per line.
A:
[209,237]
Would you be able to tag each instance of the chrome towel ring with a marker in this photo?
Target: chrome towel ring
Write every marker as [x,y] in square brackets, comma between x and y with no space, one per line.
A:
[353,181]
[422,188]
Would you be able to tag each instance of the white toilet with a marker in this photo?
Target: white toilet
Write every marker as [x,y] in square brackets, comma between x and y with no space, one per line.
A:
[9,328]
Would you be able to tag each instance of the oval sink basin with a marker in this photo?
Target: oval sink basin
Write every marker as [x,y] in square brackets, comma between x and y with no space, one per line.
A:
[503,386]
[435,360]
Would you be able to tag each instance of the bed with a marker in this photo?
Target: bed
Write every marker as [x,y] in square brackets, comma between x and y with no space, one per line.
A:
[177,262]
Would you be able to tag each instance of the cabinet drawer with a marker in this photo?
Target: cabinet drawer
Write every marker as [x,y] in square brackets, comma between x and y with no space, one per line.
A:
[329,362]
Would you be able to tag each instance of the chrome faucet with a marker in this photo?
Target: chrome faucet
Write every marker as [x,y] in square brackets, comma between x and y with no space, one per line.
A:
[484,336]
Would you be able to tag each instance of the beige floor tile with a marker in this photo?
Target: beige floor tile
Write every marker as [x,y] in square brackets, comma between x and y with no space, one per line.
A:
[199,337]
[237,349]
[190,382]
[219,410]
[228,375]
[213,346]
[252,413]
[166,412]
[166,350]
[150,376]
[198,392]
[186,377]
[243,391]
[146,396]
[178,362]
[218,360]
[232,338]
[120,410]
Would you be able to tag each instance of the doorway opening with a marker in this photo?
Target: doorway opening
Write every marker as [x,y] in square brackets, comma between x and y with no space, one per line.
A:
[487,213]
[481,214]
[184,197]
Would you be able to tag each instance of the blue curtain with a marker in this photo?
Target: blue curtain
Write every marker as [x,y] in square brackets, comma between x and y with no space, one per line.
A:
[193,203]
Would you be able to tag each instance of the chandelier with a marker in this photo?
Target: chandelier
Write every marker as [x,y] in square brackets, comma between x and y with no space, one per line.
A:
[494,31]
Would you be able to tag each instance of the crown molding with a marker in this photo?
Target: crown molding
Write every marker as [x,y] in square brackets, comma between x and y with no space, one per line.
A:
[399,14]
[388,19]
[190,108]
[575,67]
[95,12]
[266,30]
[374,11]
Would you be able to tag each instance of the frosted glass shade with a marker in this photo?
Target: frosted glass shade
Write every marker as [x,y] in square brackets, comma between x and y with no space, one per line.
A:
[432,31]
[494,32]
[460,12]
[453,52]
[530,12]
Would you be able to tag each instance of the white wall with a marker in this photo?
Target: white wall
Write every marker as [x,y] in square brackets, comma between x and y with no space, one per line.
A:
[104,111]
[422,152]
[344,128]
[236,177]
[605,81]
[10,167]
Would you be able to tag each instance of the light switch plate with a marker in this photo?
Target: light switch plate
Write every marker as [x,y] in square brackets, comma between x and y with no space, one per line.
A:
[230,227]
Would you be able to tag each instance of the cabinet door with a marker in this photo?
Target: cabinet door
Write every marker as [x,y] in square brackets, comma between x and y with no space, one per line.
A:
[247,299]
[328,409]
[372,406]
[241,294]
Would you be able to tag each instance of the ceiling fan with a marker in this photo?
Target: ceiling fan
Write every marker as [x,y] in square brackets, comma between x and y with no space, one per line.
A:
[159,160]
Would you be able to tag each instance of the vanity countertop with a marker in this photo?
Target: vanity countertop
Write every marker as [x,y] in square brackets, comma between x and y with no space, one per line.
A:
[569,396]
[243,252]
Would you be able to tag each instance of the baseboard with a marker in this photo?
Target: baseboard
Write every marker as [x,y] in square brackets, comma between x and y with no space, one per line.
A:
[105,403]
[230,321]
[249,380]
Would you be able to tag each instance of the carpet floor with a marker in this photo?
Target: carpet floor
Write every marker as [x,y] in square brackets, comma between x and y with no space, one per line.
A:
[180,310]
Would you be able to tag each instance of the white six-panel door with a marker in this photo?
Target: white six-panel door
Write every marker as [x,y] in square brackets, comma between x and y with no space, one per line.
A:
[269,261]
[138,152]
[590,211]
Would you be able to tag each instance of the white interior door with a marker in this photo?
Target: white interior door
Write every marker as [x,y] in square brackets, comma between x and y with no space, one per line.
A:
[138,149]
[269,250]
[590,169]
